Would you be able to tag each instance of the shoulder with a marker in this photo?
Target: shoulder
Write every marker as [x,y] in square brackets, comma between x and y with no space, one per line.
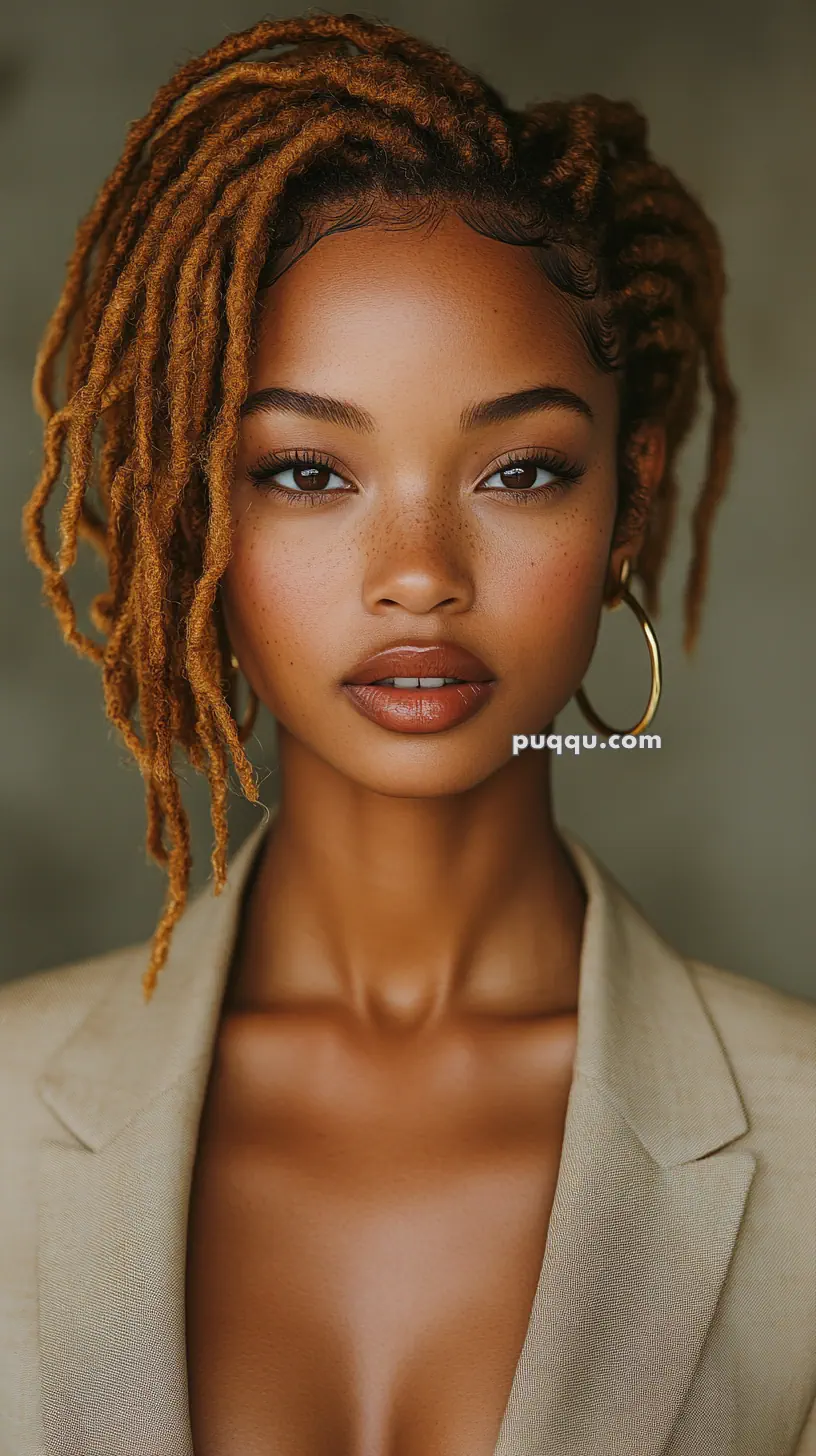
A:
[769,1039]
[758,1017]
[39,1012]
[38,1015]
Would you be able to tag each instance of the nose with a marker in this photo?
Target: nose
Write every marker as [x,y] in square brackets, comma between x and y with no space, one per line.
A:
[418,564]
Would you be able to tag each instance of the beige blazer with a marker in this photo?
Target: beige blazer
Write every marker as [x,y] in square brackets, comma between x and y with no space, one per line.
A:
[675,1313]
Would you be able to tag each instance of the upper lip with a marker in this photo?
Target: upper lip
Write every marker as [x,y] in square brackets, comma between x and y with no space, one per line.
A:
[421,659]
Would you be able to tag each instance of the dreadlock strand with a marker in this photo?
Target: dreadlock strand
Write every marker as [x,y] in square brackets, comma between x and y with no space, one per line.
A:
[623,129]
[580,163]
[54,587]
[655,548]
[218,788]
[205,329]
[92,528]
[34,512]
[152,650]
[85,406]
[80,448]
[179,862]
[369,80]
[128,284]
[119,536]
[156,819]
[87,235]
[721,446]
[133,209]
[88,397]
[120,681]
[676,255]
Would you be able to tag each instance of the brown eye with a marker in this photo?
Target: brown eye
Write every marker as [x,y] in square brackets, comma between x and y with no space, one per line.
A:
[311,477]
[519,477]
[536,476]
[296,475]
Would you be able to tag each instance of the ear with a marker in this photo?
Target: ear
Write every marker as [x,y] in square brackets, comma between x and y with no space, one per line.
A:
[646,455]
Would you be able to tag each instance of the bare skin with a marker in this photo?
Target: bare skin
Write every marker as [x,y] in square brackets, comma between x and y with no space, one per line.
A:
[383,1127]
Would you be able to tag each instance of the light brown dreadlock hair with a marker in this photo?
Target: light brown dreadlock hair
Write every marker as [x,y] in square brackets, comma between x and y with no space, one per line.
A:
[236,158]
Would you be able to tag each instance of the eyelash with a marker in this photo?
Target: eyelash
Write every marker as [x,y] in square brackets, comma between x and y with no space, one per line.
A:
[272,464]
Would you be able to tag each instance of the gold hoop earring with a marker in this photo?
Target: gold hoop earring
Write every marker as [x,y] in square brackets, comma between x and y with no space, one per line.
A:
[581,698]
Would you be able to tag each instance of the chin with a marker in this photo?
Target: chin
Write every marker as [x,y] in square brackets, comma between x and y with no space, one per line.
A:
[424,782]
[421,766]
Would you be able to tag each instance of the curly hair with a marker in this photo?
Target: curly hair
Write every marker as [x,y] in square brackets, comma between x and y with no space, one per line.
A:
[239,157]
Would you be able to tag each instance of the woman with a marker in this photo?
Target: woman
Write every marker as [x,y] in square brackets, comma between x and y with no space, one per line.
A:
[426,1141]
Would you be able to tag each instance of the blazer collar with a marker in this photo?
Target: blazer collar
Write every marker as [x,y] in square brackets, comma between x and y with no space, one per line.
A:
[639,1014]
[126,1052]
[641,1232]
[638,1009]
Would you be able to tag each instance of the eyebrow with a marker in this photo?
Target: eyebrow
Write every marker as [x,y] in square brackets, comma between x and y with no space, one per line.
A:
[523,402]
[311,406]
[486,412]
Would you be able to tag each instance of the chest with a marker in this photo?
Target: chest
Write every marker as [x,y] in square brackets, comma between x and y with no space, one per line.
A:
[362,1260]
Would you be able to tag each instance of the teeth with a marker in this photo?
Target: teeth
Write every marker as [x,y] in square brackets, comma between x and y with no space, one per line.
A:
[416,682]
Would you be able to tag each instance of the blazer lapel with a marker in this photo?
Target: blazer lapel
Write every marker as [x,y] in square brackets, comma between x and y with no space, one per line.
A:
[647,1206]
[128,1090]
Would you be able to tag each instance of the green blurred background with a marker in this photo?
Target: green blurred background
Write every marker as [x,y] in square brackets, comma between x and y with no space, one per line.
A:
[714,834]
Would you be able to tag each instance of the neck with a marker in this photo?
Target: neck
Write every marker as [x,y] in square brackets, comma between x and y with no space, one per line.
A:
[407,910]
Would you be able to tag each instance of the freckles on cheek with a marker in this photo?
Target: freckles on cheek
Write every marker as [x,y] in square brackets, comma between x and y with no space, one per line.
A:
[282,591]
[546,582]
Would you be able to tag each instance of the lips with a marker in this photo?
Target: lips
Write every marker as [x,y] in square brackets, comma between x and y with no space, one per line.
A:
[434,659]
[407,688]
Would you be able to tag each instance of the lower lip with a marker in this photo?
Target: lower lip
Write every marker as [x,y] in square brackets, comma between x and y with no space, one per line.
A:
[419,710]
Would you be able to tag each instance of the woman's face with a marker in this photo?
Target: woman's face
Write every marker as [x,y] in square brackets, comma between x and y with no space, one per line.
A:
[414,516]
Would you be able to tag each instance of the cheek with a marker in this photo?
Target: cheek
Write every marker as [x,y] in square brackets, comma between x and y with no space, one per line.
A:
[280,599]
[548,593]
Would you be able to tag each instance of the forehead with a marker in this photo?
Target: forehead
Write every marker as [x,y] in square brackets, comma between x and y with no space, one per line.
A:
[437,303]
